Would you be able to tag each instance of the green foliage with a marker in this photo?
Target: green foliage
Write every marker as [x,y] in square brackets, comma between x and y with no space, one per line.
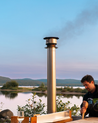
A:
[63,90]
[10,85]
[71,89]
[32,107]
[78,90]
[61,106]
[75,110]
[42,88]
[42,85]
[84,91]
[95,100]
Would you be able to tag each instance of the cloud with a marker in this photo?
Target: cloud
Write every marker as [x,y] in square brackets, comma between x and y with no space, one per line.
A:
[76,27]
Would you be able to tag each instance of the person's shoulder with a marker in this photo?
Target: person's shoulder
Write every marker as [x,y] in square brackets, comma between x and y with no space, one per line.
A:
[86,94]
[96,87]
[85,97]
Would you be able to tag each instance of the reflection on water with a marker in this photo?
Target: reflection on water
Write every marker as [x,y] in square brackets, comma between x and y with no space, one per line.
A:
[41,94]
[10,94]
[12,99]
[71,95]
[64,95]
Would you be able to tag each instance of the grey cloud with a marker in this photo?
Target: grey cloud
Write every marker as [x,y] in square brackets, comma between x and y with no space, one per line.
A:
[77,27]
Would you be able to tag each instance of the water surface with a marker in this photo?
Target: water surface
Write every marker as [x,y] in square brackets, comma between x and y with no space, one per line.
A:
[11,101]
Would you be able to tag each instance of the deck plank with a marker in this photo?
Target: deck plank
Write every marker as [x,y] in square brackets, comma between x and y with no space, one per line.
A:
[86,120]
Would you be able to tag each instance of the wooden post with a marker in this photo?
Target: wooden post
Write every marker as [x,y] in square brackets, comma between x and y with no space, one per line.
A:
[14,119]
[34,119]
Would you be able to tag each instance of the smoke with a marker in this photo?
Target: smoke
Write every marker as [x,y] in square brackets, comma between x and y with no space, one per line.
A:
[77,27]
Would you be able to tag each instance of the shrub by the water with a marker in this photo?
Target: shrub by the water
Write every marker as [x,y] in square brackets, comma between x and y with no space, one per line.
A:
[62,106]
[71,89]
[33,107]
[10,85]
[84,91]
[42,88]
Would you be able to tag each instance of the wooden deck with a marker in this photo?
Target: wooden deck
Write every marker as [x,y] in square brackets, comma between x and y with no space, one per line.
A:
[78,119]
[75,119]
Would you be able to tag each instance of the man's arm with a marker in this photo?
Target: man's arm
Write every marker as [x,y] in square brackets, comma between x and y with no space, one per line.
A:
[84,107]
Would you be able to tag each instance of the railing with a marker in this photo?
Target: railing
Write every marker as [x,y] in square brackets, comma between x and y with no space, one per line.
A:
[58,117]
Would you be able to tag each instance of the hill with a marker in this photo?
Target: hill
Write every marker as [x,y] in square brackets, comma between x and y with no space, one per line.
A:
[21,82]
[31,82]
[63,82]
[28,82]
[4,80]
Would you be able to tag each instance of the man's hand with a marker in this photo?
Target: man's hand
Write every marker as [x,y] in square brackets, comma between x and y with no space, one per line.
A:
[85,104]
[84,108]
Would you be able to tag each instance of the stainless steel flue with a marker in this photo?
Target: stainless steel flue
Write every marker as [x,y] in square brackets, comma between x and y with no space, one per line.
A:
[51,73]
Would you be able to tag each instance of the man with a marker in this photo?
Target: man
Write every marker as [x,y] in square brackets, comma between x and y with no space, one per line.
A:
[88,106]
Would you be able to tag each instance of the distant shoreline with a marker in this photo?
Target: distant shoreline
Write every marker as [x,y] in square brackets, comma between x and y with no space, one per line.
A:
[41,92]
[58,92]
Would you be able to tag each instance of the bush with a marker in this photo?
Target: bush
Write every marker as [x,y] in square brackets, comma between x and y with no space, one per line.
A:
[42,85]
[70,89]
[32,107]
[63,90]
[84,91]
[42,88]
[10,85]
[61,106]
[78,90]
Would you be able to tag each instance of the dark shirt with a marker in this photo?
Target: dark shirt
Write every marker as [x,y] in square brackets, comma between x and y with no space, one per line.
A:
[90,110]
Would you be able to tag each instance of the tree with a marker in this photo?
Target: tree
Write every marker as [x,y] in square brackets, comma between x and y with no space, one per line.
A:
[10,85]
[42,85]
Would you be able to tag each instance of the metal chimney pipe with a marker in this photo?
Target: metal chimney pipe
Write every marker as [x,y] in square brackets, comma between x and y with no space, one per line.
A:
[51,73]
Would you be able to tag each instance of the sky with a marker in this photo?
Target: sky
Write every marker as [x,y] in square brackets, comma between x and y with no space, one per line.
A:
[24,24]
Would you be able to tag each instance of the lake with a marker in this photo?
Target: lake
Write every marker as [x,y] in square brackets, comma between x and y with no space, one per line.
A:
[10,101]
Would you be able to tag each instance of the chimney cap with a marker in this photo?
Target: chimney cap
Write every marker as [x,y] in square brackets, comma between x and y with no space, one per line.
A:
[51,37]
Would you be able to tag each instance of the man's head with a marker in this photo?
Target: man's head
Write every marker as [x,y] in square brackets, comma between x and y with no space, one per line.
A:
[87,78]
[89,83]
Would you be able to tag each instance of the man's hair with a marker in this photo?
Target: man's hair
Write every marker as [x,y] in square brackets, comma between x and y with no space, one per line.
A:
[87,78]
